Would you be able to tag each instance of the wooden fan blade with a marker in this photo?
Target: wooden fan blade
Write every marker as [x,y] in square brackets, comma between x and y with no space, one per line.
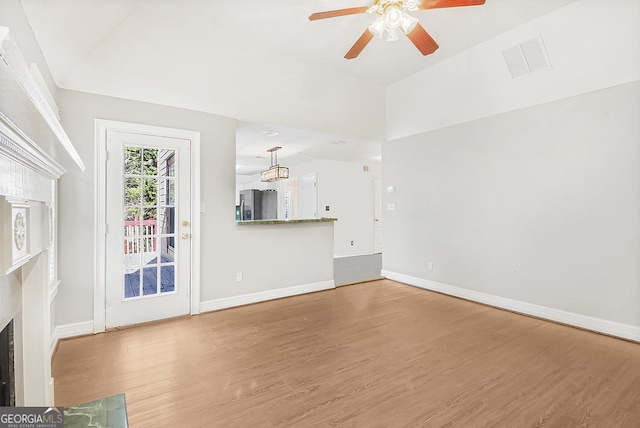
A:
[436,4]
[423,41]
[359,45]
[339,12]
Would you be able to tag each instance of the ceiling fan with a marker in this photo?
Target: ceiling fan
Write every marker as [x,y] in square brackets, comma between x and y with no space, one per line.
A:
[394,16]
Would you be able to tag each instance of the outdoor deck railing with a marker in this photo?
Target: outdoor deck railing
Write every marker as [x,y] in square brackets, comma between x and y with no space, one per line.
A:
[139,236]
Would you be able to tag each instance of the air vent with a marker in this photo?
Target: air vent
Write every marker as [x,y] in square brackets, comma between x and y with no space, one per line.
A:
[526,58]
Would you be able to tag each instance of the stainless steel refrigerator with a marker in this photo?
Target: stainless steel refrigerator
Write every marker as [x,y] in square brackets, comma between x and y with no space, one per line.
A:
[258,204]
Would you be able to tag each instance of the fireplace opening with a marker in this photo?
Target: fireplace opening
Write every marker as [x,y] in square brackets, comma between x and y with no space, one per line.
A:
[7,378]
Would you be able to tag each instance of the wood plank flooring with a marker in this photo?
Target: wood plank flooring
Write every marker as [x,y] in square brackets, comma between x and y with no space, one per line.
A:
[378,354]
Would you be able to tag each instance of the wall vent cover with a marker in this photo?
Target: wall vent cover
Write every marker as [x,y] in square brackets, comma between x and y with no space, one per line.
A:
[526,58]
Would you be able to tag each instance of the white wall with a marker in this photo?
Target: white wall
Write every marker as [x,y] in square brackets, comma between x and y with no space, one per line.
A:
[348,191]
[591,44]
[226,248]
[538,205]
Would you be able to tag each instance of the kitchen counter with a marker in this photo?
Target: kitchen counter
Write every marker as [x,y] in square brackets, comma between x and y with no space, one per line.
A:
[274,221]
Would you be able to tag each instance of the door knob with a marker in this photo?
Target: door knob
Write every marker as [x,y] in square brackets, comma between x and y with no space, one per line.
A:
[185,236]
[185,223]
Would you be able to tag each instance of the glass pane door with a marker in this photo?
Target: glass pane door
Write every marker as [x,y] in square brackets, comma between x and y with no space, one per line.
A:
[148,221]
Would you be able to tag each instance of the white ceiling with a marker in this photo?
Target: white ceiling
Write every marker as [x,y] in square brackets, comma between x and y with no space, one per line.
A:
[82,38]
[298,146]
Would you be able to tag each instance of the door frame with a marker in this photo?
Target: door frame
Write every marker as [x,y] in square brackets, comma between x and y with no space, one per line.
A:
[378,244]
[102,126]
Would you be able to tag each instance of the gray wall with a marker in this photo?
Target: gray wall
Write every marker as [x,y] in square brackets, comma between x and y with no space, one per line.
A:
[539,205]
[269,257]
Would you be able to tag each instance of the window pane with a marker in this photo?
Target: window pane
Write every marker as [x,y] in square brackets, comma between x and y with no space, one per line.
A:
[150,281]
[150,214]
[166,220]
[167,163]
[132,160]
[171,192]
[167,279]
[166,250]
[132,284]
[150,159]
[132,191]
[132,214]
[150,191]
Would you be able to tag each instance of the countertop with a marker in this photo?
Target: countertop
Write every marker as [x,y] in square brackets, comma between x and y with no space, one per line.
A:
[274,221]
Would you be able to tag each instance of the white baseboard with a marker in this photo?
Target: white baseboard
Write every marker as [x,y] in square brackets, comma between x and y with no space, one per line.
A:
[612,328]
[261,296]
[70,330]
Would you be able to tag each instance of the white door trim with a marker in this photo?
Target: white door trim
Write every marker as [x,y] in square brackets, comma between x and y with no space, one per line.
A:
[101,128]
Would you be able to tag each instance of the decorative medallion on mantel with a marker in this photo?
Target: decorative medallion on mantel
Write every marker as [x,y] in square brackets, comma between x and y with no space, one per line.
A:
[19,230]
[14,234]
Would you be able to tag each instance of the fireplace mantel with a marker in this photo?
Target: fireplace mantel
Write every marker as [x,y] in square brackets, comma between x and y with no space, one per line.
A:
[35,152]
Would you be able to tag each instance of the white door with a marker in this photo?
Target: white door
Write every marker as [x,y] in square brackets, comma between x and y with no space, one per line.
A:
[377,214]
[148,218]
[308,191]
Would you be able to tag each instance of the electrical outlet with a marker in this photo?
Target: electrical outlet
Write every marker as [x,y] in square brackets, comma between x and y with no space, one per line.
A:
[239,277]
[430,266]
[352,243]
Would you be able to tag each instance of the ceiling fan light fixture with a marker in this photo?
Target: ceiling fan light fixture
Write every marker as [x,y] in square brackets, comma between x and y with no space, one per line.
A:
[393,16]
[408,23]
[411,4]
[392,35]
[377,28]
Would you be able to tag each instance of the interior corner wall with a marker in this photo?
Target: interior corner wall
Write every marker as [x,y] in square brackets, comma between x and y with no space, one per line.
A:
[539,205]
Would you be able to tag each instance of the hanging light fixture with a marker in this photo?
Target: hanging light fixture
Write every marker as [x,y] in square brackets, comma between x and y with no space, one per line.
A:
[394,15]
[275,171]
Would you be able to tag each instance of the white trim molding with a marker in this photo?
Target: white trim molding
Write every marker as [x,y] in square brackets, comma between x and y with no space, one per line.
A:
[53,290]
[102,126]
[599,325]
[70,330]
[18,147]
[263,296]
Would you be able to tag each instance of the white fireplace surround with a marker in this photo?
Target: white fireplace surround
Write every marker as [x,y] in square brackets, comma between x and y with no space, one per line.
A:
[34,153]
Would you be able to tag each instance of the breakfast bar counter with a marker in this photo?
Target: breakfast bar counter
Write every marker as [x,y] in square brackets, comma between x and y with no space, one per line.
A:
[275,221]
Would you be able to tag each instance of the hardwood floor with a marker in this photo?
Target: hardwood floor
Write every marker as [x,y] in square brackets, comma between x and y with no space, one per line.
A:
[379,354]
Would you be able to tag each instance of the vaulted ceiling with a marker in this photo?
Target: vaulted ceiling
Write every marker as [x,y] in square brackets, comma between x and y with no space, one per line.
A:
[255,60]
